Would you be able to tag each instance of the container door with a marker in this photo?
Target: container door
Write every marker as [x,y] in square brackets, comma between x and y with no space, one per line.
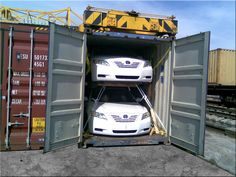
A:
[65,97]
[189,89]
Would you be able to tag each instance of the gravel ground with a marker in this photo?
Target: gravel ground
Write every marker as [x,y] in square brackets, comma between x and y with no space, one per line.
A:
[125,161]
[157,160]
[220,149]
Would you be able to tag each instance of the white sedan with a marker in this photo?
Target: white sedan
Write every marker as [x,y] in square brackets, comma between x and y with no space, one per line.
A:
[121,69]
[117,113]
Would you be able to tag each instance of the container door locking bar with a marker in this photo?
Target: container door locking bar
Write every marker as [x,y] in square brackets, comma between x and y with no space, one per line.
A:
[9,88]
[30,87]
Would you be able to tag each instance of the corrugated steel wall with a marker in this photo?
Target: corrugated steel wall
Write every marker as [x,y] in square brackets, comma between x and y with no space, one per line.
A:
[23,99]
[212,67]
[221,67]
[161,78]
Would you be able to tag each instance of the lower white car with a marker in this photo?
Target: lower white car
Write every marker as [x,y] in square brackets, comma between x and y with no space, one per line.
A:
[121,69]
[117,113]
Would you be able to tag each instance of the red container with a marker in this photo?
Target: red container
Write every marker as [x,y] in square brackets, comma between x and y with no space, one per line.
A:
[23,100]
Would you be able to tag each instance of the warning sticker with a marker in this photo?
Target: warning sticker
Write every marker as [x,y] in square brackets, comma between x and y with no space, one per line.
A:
[38,125]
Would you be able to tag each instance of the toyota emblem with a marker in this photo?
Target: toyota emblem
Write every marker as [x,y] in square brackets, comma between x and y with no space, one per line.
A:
[125,116]
[127,62]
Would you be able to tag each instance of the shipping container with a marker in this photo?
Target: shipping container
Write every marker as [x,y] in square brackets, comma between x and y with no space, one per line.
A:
[222,76]
[177,92]
[221,68]
[24,69]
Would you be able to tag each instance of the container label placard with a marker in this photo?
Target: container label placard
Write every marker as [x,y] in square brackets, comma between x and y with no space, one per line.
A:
[38,125]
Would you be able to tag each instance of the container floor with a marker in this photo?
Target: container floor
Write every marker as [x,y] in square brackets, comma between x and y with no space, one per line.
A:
[108,161]
[102,141]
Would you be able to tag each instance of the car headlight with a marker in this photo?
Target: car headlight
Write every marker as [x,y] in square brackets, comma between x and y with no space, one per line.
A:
[147,63]
[145,115]
[99,115]
[101,62]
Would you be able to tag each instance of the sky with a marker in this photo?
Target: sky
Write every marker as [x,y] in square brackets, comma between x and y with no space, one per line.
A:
[193,17]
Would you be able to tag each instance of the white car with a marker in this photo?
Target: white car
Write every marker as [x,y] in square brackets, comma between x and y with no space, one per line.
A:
[121,69]
[117,113]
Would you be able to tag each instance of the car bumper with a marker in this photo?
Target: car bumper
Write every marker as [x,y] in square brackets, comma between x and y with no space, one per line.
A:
[104,73]
[105,127]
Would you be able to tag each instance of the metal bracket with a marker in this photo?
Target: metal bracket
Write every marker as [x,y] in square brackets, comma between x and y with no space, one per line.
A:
[21,115]
[14,124]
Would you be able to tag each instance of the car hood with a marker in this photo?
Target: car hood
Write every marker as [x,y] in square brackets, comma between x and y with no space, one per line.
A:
[116,108]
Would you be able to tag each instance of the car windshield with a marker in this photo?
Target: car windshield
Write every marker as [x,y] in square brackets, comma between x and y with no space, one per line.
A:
[117,56]
[117,95]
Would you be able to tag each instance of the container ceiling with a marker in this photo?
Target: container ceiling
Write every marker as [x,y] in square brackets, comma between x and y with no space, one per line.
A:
[104,40]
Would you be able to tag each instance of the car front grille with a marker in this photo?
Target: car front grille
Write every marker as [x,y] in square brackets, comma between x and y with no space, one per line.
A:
[126,77]
[125,118]
[130,65]
[124,131]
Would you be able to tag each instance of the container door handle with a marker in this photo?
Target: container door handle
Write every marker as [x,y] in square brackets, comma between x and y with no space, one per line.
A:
[21,115]
[15,124]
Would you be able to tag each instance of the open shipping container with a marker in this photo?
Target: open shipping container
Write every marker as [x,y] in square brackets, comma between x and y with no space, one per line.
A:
[177,92]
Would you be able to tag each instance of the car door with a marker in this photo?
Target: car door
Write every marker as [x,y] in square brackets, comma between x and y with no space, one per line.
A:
[189,90]
[65,95]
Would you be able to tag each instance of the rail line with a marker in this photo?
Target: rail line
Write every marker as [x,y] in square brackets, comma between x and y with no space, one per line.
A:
[221,117]
[222,111]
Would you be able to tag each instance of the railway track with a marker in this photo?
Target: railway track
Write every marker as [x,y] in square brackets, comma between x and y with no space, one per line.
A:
[221,117]
[222,111]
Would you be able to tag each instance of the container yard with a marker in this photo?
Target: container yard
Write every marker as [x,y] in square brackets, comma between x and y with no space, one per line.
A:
[62,86]
[221,112]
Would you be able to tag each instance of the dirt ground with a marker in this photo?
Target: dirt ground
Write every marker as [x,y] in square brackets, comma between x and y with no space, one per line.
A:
[157,160]
[220,149]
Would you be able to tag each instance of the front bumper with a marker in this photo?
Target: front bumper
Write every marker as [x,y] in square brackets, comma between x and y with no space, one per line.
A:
[112,128]
[106,73]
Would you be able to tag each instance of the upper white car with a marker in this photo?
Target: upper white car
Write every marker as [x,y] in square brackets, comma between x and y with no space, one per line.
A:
[117,113]
[121,69]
